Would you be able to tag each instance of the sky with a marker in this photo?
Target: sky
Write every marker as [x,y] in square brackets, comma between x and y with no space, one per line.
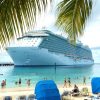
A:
[91,35]
[92,30]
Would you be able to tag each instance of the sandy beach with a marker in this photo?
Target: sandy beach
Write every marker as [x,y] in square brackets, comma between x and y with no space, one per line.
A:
[20,91]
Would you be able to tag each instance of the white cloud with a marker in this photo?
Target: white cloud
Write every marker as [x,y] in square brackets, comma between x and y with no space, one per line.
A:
[92,35]
[92,31]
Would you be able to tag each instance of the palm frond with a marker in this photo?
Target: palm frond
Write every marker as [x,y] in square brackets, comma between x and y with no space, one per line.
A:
[72,17]
[18,16]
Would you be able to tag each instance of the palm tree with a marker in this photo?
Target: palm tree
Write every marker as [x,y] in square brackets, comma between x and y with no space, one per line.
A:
[18,16]
[72,17]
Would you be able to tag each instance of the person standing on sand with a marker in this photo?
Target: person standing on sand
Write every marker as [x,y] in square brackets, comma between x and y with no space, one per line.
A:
[65,83]
[84,80]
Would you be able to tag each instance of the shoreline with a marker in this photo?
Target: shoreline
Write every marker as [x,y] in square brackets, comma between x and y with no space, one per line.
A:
[6,91]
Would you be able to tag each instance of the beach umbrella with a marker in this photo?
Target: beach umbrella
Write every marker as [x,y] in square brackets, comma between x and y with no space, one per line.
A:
[47,90]
[95,85]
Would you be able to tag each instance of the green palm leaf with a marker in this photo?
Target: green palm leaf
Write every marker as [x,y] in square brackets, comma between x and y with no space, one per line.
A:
[18,16]
[72,17]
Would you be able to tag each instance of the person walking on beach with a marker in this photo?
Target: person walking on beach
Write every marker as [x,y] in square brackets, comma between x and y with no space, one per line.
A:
[69,82]
[84,80]
[65,83]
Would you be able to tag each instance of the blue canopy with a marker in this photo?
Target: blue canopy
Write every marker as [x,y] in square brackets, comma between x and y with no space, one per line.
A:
[95,85]
[47,90]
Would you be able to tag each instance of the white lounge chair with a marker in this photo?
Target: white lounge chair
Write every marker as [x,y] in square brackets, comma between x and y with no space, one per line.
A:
[84,91]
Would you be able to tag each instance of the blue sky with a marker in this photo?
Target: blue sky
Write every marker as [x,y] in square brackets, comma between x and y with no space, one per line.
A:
[92,30]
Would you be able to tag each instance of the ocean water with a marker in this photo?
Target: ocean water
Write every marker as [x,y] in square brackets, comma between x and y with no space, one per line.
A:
[76,74]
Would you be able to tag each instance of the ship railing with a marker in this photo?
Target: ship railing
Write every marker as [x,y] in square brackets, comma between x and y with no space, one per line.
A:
[59,48]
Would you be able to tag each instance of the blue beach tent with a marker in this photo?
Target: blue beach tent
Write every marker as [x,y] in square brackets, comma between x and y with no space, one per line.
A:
[95,85]
[47,90]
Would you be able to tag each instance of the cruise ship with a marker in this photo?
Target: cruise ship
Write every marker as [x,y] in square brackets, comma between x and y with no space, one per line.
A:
[43,47]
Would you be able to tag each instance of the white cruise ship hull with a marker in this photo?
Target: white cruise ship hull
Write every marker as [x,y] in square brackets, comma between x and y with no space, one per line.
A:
[32,56]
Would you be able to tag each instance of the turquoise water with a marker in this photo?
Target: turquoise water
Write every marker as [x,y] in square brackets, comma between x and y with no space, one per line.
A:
[12,74]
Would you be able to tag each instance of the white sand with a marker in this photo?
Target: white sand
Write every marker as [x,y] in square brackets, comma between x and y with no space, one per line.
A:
[15,92]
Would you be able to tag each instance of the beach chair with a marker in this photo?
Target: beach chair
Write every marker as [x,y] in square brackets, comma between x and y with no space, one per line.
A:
[92,98]
[31,97]
[7,98]
[95,83]
[66,94]
[75,94]
[22,98]
[84,91]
